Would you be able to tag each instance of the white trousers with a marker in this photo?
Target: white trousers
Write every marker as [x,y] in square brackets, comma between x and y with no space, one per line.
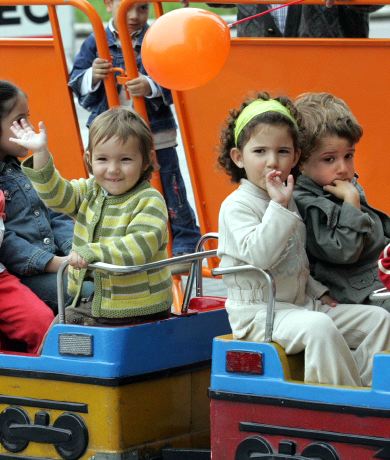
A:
[339,342]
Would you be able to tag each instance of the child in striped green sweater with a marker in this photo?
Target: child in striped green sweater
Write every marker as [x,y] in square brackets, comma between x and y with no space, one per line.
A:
[120,218]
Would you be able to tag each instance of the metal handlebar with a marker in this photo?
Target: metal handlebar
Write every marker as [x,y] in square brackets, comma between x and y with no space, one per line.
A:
[196,270]
[269,321]
[380,294]
[124,270]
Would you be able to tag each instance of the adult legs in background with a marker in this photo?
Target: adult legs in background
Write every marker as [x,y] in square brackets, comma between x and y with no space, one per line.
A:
[185,232]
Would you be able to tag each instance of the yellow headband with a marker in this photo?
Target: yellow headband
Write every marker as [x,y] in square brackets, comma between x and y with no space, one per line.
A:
[258,107]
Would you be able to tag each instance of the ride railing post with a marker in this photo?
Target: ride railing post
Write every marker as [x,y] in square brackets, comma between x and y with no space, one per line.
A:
[38,65]
[98,29]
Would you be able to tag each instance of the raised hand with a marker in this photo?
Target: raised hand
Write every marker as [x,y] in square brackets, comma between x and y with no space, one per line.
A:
[27,137]
[277,190]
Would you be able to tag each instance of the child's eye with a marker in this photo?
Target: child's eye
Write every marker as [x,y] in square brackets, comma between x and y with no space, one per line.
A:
[284,152]
[329,160]
[144,7]
[349,156]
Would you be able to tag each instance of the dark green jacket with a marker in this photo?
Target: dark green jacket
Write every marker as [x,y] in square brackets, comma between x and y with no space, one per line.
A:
[343,242]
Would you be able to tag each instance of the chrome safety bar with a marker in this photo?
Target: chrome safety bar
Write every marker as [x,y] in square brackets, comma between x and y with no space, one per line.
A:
[380,294]
[269,322]
[196,271]
[124,270]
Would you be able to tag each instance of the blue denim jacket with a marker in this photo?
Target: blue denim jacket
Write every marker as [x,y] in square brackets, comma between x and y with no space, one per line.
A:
[33,233]
[158,110]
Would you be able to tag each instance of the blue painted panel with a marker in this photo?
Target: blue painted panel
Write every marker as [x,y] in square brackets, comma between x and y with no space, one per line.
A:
[272,383]
[131,350]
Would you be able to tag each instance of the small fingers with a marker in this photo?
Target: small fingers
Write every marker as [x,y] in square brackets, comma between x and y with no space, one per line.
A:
[25,124]
[42,127]
[76,261]
[290,182]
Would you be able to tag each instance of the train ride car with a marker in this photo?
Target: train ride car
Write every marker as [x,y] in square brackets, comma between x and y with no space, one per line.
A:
[112,393]
[125,392]
[262,409]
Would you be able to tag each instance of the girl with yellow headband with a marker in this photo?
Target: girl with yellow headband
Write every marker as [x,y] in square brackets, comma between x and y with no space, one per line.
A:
[259,225]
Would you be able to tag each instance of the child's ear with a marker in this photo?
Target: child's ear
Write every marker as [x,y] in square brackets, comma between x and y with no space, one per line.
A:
[152,162]
[88,160]
[236,156]
[297,155]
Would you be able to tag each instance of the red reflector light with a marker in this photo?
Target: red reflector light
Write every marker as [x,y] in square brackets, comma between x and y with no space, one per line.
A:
[244,361]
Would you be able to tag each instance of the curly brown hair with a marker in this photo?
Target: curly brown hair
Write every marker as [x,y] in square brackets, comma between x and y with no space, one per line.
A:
[323,114]
[227,141]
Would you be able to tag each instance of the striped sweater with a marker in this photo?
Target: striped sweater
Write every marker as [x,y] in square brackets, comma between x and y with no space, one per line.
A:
[129,229]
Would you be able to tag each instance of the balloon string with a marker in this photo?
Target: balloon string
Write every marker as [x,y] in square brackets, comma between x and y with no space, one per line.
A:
[263,13]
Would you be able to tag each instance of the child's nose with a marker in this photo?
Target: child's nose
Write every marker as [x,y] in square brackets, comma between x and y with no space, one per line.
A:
[342,166]
[272,160]
[132,13]
[113,167]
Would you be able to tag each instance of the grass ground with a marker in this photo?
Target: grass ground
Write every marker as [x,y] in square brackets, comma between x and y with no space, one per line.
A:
[100,8]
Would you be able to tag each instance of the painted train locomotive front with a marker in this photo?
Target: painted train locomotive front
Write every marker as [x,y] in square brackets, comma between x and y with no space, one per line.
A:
[110,393]
[260,408]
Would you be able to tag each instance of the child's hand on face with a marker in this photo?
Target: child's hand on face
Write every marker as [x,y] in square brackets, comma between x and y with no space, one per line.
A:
[344,190]
[100,69]
[77,261]
[139,86]
[277,190]
[27,137]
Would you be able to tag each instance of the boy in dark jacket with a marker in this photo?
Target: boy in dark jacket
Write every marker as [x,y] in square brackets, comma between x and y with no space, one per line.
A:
[345,235]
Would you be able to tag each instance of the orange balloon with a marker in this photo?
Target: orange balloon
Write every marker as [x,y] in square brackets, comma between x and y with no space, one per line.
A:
[185,48]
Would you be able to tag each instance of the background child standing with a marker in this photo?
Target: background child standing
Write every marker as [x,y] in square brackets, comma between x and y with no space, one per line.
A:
[23,316]
[259,225]
[86,80]
[36,239]
[120,218]
[345,234]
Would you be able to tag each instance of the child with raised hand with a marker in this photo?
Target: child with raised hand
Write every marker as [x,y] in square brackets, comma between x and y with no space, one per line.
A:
[259,225]
[345,234]
[120,218]
[23,316]
[36,239]
[86,80]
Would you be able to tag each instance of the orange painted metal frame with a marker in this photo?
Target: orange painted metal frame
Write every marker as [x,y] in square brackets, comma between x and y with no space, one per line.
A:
[357,70]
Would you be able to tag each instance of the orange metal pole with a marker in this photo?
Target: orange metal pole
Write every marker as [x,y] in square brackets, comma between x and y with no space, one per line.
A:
[101,41]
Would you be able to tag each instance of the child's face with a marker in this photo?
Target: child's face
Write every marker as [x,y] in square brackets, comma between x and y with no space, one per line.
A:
[332,160]
[117,166]
[19,111]
[137,14]
[269,148]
